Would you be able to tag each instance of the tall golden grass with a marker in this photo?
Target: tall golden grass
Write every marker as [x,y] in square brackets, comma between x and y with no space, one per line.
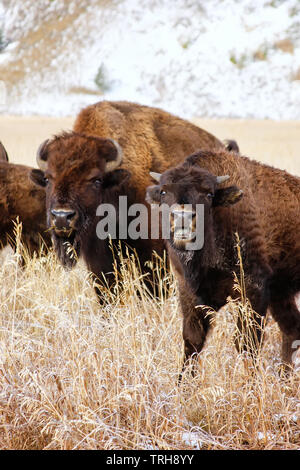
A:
[78,375]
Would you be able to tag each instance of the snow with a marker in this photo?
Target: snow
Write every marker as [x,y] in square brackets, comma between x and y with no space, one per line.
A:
[192,439]
[192,58]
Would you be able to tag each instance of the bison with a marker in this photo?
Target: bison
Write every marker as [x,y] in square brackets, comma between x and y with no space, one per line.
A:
[262,205]
[21,199]
[108,154]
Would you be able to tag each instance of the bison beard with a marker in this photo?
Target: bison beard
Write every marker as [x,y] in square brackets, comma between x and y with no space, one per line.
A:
[67,249]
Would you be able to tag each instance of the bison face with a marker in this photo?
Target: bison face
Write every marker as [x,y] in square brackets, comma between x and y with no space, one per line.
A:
[183,189]
[79,173]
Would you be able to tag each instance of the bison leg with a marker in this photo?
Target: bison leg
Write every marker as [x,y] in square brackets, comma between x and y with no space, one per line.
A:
[286,313]
[196,325]
[195,328]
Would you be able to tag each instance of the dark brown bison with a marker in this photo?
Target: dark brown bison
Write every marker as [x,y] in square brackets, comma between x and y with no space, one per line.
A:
[21,199]
[261,204]
[109,154]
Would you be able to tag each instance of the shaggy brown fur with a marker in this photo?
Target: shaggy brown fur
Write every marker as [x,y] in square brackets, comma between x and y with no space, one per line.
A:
[267,221]
[20,198]
[75,163]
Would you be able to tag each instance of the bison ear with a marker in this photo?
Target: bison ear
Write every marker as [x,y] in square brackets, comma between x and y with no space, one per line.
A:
[227,196]
[231,145]
[38,177]
[116,178]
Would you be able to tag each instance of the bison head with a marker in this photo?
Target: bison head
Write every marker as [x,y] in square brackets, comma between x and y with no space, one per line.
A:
[79,173]
[182,189]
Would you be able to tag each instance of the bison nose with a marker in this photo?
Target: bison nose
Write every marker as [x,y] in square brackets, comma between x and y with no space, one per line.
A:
[62,218]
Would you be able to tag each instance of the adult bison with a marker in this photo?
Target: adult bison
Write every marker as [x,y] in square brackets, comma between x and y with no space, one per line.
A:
[109,153]
[261,204]
[21,199]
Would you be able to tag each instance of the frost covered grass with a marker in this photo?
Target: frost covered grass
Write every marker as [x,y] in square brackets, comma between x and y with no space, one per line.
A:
[77,375]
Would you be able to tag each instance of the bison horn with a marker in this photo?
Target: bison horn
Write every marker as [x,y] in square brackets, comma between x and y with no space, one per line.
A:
[113,164]
[3,153]
[40,156]
[222,179]
[155,176]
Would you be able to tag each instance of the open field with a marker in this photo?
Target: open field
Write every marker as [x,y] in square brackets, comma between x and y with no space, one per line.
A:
[76,375]
[273,142]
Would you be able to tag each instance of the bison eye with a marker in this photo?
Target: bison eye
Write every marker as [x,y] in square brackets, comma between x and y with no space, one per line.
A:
[162,193]
[97,182]
[210,195]
[47,178]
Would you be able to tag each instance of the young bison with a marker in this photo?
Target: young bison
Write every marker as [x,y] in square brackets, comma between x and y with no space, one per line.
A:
[109,154]
[261,204]
[20,198]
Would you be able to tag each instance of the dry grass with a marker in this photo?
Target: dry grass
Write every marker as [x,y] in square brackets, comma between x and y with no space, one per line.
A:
[76,375]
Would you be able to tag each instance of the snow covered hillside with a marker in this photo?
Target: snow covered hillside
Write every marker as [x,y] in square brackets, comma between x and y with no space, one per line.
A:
[206,58]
